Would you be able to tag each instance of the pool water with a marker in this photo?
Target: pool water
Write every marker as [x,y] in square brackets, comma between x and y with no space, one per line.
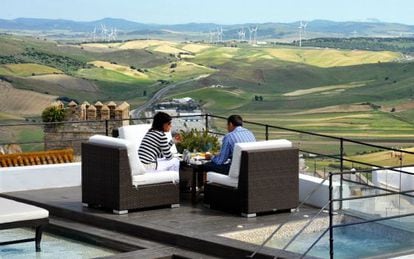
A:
[357,243]
[52,247]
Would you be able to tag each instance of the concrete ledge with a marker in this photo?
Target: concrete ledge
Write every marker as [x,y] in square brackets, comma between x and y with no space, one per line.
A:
[36,177]
[320,198]
[388,178]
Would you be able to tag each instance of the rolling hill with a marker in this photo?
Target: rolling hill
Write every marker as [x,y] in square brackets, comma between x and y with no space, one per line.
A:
[341,92]
[18,102]
[128,29]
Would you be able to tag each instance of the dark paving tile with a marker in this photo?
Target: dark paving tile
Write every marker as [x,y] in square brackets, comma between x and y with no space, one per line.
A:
[184,224]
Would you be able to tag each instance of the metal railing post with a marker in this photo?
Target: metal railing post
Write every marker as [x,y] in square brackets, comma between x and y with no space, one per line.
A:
[267,132]
[206,121]
[106,128]
[342,170]
[331,244]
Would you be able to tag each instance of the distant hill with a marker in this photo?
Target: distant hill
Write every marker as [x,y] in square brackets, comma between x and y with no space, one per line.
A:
[350,93]
[315,28]
[73,26]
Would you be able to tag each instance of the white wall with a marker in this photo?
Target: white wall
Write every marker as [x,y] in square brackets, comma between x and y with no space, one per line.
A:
[308,183]
[392,179]
[24,178]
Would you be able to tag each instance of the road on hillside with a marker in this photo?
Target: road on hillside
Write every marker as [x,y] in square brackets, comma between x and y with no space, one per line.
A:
[158,95]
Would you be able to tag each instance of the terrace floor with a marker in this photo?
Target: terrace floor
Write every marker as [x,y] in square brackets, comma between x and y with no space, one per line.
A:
[190,230]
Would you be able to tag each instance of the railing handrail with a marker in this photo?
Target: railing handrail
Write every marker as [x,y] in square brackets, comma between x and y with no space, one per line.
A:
[392,168]
[340,156]
[219,117]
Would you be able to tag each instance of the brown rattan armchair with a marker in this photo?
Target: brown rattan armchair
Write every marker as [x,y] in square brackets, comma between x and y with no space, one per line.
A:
[107,182]
[268,180]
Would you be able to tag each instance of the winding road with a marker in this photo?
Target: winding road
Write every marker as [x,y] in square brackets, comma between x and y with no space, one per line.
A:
[158,95]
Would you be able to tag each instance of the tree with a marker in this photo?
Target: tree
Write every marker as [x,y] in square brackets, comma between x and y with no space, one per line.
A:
[53,114]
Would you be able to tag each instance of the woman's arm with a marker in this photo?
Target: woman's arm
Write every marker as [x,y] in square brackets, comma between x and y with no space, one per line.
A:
[165,146]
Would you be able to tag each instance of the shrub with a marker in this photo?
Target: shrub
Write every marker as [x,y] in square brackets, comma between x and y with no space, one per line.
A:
[53,114]
[195,140]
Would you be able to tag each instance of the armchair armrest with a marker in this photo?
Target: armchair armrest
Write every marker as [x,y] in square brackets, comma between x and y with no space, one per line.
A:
[106,174]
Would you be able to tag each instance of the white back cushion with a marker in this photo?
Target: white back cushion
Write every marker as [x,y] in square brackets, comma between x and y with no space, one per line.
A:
[134,163]
[135,133]
[236,160]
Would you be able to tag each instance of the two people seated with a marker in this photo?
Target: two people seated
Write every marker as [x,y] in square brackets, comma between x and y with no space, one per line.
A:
[155,149]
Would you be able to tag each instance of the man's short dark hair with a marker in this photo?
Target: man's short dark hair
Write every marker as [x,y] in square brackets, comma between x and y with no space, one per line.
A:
[236,120]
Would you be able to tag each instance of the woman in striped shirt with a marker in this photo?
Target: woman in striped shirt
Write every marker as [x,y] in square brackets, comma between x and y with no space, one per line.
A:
[155,149]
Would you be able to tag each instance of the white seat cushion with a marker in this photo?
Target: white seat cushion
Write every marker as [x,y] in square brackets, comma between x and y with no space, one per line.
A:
[222,179]
[13,211]
[134,163]
[235,163]
[154,177]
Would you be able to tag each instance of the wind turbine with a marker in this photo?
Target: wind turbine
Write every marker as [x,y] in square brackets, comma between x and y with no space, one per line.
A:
[94,34]
[112,35]
[104,32]
[253,32]
[211,34]
[242,35]
[255,35]
[220,34]
[302,28]
[115,34]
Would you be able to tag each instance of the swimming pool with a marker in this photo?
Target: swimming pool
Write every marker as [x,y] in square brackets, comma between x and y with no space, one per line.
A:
[358,241]
[52,247]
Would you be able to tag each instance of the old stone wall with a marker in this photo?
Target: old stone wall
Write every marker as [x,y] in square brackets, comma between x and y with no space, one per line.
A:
[83,121]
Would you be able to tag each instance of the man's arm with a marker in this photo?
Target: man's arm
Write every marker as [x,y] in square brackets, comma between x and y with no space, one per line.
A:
[224,152]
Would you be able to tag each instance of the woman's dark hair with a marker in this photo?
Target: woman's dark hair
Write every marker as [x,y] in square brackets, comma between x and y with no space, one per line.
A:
[159,119]
[236,120]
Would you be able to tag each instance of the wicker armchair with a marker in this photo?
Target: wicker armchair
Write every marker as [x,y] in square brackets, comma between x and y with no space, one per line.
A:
[268,180]
[107,182]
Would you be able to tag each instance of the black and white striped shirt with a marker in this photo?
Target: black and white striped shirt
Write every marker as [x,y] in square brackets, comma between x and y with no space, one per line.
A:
[154,145]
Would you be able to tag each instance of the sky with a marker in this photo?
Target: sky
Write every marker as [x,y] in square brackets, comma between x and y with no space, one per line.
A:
[215,11]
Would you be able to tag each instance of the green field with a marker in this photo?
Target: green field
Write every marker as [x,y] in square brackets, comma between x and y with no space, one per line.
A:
[358,94]
[26,70]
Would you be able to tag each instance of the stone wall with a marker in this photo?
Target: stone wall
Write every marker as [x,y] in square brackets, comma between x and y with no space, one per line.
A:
[83,121]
